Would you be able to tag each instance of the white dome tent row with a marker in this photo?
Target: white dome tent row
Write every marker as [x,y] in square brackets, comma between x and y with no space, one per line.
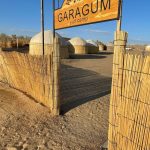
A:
[75,45]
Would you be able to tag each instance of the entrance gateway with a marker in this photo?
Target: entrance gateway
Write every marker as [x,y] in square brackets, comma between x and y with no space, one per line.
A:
[76,13]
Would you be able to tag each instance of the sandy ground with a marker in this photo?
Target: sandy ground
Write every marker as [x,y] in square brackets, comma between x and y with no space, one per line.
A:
[86,82]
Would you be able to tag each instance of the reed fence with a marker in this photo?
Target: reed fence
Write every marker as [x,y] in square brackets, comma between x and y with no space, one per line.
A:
[30,74]
[129,119]
[37,76]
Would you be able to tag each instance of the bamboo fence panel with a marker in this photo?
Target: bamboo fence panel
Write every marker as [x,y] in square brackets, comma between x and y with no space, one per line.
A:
[30,74]
[129,120]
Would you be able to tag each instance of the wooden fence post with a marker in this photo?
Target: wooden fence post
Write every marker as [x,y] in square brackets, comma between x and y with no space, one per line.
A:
[118,60]
[120,41]
[117,77]
[56,77]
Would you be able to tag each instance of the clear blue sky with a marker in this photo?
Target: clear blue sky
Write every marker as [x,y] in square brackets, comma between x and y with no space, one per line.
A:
[22,17]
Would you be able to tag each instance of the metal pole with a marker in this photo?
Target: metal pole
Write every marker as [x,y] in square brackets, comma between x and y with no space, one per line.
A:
[53,20]
[58,3]
[17,43]
[56,70]
[119,22]
[42,24]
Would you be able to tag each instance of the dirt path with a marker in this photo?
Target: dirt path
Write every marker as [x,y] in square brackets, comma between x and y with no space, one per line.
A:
[100,63]
[29,125]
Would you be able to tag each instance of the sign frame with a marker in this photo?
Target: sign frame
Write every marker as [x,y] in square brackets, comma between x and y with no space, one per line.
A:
[118,17]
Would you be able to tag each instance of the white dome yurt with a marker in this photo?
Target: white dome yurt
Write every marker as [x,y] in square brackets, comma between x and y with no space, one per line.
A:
[92,47]
[102,46]
[147,48]
[36,44]
[78,45]
[110,46]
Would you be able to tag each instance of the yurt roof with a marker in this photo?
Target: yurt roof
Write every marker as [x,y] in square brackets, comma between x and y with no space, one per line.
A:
[100,43]
[91,43]
[148,46]
[78,41]
[48,38]
[110,44]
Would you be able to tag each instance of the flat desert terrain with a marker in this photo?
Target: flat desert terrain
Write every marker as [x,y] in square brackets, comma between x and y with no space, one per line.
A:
[83,125]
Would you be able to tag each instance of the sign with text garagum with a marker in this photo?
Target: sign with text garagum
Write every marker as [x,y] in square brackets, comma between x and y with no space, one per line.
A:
[80,12]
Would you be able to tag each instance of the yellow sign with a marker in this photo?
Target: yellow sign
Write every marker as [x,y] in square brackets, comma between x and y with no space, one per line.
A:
[80,12]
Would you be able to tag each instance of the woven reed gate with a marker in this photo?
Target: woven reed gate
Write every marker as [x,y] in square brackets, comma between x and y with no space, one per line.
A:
[129,119]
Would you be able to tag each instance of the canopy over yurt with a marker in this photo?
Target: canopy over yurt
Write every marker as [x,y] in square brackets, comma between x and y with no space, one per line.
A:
[36,44]
[147,48]
[92,47]
[78,45]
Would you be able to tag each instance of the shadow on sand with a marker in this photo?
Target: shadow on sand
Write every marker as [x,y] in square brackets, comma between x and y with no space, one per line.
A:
[87,56]
[106,53]
[80,86]
[20,50]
